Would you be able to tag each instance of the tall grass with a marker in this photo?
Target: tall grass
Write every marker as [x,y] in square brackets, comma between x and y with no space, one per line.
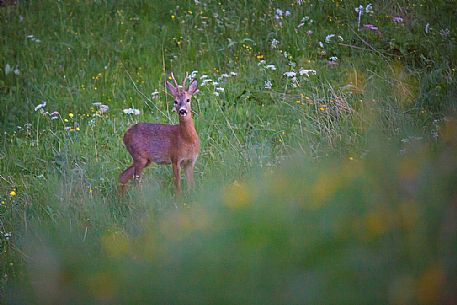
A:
[333,187]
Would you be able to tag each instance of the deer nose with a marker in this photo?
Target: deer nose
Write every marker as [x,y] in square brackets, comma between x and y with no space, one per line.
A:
[182,111]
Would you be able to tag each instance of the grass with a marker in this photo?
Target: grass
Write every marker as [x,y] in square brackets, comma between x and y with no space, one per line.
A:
[328,188]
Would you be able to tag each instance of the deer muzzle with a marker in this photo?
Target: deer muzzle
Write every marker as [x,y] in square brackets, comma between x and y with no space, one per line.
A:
[182,112]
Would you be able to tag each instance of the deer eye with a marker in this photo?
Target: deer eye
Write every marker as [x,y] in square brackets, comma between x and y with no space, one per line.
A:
[188,100]
[176,102]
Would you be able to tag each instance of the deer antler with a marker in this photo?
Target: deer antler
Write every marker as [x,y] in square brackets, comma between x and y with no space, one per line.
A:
[184,81]
[174,79]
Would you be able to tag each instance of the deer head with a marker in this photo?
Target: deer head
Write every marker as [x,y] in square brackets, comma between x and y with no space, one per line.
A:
[182,95]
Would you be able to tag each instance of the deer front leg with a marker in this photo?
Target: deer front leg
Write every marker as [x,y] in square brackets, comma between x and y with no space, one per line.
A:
[189,171]
[177,177]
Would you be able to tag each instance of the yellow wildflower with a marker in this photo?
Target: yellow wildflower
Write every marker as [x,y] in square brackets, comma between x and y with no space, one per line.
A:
[71,115]
[13,193]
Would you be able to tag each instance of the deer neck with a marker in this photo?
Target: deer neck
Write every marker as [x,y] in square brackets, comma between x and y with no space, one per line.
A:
[187,128]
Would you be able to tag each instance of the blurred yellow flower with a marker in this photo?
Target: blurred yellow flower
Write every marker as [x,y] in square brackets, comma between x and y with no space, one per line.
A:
[13,193]
[430,285]
[65,120]
[78,129]
[71,115]
[173,17]
[237,195]
[116,244]
[3,202]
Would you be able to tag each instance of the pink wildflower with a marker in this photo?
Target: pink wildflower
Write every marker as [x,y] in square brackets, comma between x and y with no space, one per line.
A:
[371,27]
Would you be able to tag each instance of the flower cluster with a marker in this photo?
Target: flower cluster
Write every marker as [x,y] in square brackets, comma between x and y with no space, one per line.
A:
[9,69]
[217,82]
[133,111]
[33,38]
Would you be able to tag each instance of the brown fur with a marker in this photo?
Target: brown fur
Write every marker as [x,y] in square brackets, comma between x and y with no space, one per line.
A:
[164,143]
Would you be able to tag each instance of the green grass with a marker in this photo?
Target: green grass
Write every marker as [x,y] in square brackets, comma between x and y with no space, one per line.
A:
[336,188]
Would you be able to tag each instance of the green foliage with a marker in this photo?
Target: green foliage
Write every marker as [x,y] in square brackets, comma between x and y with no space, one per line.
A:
[330,185]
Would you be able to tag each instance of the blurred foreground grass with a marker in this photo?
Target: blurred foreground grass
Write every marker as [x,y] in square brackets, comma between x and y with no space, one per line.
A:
[372,231]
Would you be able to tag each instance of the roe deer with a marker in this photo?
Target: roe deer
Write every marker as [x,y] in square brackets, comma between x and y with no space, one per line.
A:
[165,143]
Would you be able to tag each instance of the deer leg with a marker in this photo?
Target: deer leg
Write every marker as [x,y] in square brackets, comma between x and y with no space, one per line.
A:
[124,178]
[139,166]
[177,177]
[189,171]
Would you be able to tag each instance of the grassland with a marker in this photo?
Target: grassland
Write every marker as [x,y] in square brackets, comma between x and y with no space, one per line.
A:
[328,166]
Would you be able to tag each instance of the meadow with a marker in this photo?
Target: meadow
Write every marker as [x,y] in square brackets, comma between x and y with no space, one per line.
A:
[328,159]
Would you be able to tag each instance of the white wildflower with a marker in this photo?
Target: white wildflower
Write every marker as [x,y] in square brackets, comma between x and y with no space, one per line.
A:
[203,76]
[427,28]
[369,8]
[54,115]
[287,13]
[445,33]
[268,84]
[215,83]
[33,38]
[17,71]
[290,74]
[155,94]
[321,44]
[220,89]
[131,111]
[103,108]
[333,58]
[205,81]
[8,69]
[279,13]
[233,73]
[216,93]
[328,37]
[271,67]
[359,11]
[40,106]
[274,43]
[262,62]
[307,72]
[192,74]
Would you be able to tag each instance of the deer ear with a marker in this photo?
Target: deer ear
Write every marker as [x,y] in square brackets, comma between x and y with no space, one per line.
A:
[193,87]
[170,87]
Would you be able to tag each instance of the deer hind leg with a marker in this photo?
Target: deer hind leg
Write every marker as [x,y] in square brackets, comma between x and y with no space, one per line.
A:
[124,178]
[177,177]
